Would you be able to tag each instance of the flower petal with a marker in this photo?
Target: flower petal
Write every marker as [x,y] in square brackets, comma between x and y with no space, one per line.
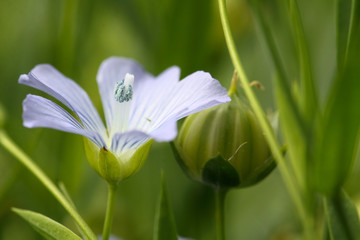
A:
[46,78]
[196,92]
[41,112]
[165,133]
[150,90]
[111,71]
[128,141]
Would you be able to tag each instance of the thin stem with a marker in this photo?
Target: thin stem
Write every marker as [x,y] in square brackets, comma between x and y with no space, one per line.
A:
[219,212]
[9,145]
[297,166]
[109,212]
[269,134]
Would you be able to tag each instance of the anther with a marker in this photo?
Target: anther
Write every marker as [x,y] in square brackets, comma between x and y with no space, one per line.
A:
[124,89]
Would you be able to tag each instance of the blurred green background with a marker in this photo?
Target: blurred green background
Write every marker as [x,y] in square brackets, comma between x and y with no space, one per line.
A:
[75,36]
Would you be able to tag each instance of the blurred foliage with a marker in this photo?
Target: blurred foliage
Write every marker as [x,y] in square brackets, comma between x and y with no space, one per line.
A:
[75,36]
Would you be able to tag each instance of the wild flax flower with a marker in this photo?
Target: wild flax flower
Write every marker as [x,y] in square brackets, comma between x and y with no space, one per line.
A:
[138,108]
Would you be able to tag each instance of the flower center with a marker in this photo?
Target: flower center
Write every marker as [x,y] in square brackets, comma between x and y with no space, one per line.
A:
[123,94]
[124,89]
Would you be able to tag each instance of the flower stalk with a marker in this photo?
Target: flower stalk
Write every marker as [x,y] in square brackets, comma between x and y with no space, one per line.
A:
[109,211]
[220,195]
[9,145]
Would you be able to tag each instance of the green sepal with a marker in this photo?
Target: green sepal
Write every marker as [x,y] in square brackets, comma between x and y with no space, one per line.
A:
[109,167]
[47,227]
[165,227]
[220,173]
[92,154]
[342,217]
[115,168]
[140,156]
[179,155]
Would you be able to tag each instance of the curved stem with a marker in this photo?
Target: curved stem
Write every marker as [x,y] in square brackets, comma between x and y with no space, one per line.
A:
[109,212]
[219,212]
[260,115]
[298,167]
[9,145]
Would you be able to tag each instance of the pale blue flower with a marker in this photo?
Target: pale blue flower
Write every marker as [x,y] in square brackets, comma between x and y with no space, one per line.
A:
[137,106]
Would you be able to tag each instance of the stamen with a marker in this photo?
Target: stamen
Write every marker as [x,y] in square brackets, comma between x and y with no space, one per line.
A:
[124,89]
[123,94]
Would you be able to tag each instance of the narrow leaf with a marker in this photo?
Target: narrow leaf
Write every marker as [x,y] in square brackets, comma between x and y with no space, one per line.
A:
[309,101]
[47,227]
[66,193]
[343,16]
[294,136]
[67,196]
[342,217]
[338,136]
[165,228]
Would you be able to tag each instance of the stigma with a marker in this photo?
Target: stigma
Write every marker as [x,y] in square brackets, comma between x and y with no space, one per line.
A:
[124,89]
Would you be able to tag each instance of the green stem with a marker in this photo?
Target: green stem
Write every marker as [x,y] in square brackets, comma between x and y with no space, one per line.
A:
[109,212]
[269,134]
[297,166]
[9,145]
[219,212]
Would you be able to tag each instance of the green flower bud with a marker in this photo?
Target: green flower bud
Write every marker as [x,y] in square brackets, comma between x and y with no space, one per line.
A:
[113,167]
[224,146]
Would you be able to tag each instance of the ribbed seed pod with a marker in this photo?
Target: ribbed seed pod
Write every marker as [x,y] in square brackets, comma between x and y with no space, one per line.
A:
[224,146]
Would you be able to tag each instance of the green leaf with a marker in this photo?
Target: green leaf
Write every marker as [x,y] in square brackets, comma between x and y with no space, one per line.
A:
[342,217]
[67,196]
[220,173]
[309,101]
[343,12]
[47,227]
[338,136]
[293,133]
[165,227]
